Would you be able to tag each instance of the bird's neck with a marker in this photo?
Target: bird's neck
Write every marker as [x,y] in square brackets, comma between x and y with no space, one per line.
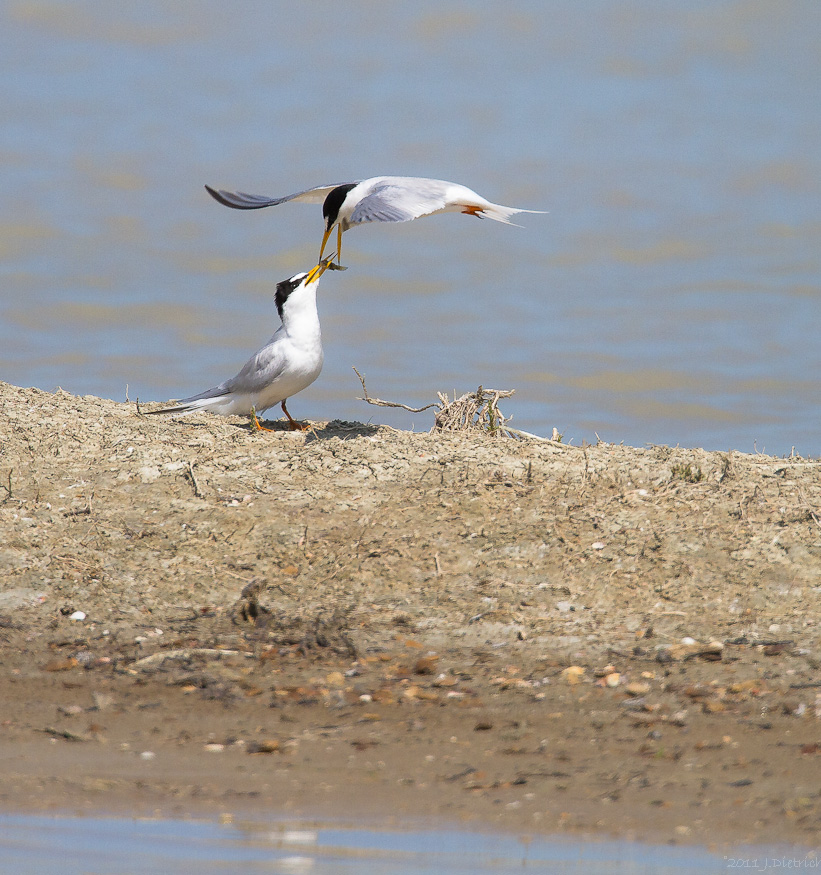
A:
[300,318]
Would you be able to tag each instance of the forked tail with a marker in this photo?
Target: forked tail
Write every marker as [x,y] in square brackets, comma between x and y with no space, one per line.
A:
[498,213]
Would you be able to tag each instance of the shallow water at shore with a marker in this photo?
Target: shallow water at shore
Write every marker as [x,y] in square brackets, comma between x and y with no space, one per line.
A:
[671,295]
[66,844]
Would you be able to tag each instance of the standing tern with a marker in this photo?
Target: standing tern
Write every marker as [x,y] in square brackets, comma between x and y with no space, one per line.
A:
[287,364]
[379,199]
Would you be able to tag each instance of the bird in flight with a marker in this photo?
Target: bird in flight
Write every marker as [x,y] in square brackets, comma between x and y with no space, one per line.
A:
[379,199]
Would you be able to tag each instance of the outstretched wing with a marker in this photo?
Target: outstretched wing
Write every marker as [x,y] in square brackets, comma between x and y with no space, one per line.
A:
[400,199]
[240,200]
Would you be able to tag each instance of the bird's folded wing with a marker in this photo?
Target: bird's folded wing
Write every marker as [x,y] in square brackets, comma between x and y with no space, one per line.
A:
[240,200]
[187,404]
[264,368]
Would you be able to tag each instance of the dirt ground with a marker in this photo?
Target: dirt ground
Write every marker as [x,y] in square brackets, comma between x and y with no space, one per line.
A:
[433,628]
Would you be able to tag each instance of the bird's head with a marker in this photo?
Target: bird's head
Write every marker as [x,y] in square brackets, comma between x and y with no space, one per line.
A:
[286,288]
[333,204]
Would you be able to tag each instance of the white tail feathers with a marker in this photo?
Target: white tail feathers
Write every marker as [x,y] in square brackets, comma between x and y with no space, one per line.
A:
[502,214]
[215,401]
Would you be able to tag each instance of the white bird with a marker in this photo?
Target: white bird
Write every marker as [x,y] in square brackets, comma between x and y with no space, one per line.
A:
[379,199]
[290,361]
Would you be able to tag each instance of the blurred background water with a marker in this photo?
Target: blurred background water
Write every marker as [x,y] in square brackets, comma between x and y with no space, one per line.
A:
[671,295]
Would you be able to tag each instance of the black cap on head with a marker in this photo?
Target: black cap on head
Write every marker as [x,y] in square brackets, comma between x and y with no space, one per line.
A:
[285,289]
[333,203]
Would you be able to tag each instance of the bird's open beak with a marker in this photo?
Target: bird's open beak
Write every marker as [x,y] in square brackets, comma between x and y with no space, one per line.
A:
[316,272]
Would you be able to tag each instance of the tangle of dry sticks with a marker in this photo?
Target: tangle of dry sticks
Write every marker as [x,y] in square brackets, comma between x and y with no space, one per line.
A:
[473,411]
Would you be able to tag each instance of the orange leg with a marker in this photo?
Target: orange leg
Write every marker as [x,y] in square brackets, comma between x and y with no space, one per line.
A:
[472,211]
[256,423]
[292,423]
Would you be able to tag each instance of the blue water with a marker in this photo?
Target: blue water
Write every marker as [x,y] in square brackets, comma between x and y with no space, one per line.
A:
[671,295]
[38,845]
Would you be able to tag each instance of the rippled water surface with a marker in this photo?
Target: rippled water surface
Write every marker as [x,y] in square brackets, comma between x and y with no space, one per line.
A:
[670,295]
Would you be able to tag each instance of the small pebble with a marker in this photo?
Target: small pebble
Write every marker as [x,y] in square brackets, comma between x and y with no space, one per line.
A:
[102,700]
[148,755]
[78,615]
[637,689]
[711,706]
[573,674]
[69,710]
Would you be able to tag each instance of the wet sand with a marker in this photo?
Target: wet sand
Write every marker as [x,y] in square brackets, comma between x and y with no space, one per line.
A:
[358,622]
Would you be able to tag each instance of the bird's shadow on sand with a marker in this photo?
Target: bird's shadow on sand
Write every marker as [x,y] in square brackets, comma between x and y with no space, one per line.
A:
[337,428]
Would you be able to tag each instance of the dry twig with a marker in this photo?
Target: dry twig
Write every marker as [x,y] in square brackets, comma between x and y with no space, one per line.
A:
[189,473]
[7,488]
[379,403]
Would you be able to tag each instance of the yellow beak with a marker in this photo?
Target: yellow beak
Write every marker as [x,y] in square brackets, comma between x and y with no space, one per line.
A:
[316,272]
[325,237]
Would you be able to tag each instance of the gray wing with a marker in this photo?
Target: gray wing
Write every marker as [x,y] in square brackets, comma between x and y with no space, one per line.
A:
[184,404]
[240,200]
[259,371]
[262,368]
[400,200]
